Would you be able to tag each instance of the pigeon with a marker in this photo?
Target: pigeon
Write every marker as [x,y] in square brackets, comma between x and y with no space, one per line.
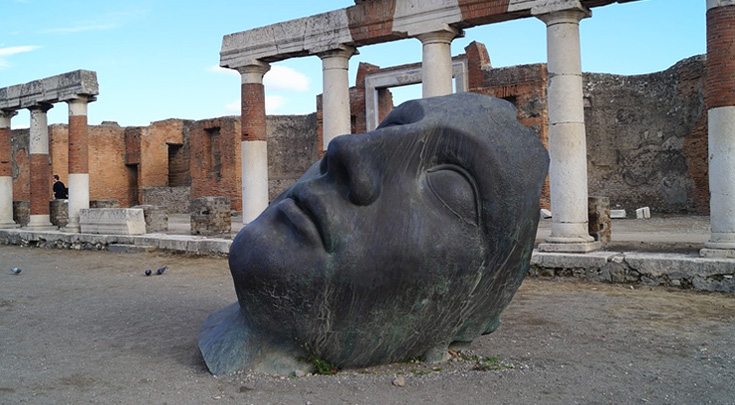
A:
[161,270]
[148,272]
[15,270]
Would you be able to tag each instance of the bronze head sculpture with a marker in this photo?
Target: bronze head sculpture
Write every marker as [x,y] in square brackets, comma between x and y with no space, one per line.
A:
[397,244]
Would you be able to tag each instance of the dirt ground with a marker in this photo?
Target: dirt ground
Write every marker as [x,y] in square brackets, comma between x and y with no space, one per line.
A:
[89,327]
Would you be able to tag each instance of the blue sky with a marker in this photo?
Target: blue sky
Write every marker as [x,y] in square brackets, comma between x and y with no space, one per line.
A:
[157,59]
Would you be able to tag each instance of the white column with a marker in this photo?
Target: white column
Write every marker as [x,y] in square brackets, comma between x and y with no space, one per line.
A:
[567,141]
[40,171]
[436,62]
[720,99]
[253,145]
[78,162]
[336,118]
[6,174]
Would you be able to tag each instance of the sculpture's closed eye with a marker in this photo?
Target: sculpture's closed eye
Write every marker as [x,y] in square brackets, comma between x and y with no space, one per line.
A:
[456,190]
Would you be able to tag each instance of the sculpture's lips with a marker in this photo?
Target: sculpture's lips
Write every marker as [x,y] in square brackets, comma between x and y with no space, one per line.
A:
[305,220]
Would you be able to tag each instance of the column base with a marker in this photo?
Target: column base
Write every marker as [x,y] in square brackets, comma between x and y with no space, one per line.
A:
[718,253]
[40,223]
[578,247]
[9,225]
[69,228]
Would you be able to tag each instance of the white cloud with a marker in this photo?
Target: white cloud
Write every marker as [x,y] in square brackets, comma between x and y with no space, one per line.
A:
[285,78]
[81,28]
[14,50]
[278,78]
[273,104]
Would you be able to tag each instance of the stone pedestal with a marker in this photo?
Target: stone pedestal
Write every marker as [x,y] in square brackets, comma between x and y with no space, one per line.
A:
[112,221]
[210,216]
[59,212]
[156,218]
[599,226]
[104,204]
[22,212]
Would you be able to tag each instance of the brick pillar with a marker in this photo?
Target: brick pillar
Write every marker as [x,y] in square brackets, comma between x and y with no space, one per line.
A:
[336,95]
[40,171]
[567,142]
[6,171]
[253,145]
[720,101]
[78,181]
[436,62]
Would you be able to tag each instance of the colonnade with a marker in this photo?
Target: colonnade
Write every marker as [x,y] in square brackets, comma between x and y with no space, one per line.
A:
[77,89]
[248,52]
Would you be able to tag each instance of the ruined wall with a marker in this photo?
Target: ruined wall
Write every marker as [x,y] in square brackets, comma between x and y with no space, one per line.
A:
[292,148]
[214,162]
[647,138]
[20,141]
[154,150]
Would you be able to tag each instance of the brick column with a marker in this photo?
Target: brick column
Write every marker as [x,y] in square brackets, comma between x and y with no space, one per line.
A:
[78,181]
[567,141]
[40,173]
[336,95]
[6,171]
[436,62]
[720,101]
[253,145]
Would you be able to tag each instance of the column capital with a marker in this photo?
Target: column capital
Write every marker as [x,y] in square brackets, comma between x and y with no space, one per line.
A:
[341,51]
[253,72]
[557,12]
[81,98]
[78,105]
[444,36]
[719,3]
[42,107]
[5,116]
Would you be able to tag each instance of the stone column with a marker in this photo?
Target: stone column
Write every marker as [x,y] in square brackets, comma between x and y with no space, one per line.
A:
[336,95]
[40,173]
[78,161]
[6,171]
[253,145]
[436,62]
[720,101]
[567,142]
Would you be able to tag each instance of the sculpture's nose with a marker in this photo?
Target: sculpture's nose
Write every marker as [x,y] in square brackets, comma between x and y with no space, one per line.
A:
[357,161]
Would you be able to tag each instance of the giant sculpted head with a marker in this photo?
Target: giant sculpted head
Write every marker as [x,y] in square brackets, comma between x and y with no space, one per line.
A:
[398,243]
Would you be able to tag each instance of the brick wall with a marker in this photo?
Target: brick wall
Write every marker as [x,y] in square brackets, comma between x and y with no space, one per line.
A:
[292,148]
[20,141]
[214,162]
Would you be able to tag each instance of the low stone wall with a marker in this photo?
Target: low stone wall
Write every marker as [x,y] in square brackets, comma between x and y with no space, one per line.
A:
[156,218]
[650,269]
[22,212]
[175,200]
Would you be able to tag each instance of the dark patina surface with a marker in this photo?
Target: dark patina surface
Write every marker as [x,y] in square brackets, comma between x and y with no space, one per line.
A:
[399,243]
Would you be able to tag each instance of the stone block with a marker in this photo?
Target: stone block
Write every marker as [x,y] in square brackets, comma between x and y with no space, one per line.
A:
[59,212]
[112,221]
[599,225]
[643,213]
[545,214]
[104,204]
[618,214]
[210,216]
[156,218]
[22,212]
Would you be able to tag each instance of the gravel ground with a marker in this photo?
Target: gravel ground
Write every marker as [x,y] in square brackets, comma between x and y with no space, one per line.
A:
[89,327]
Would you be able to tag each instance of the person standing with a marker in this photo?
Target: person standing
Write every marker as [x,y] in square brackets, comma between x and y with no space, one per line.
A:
[60,190]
